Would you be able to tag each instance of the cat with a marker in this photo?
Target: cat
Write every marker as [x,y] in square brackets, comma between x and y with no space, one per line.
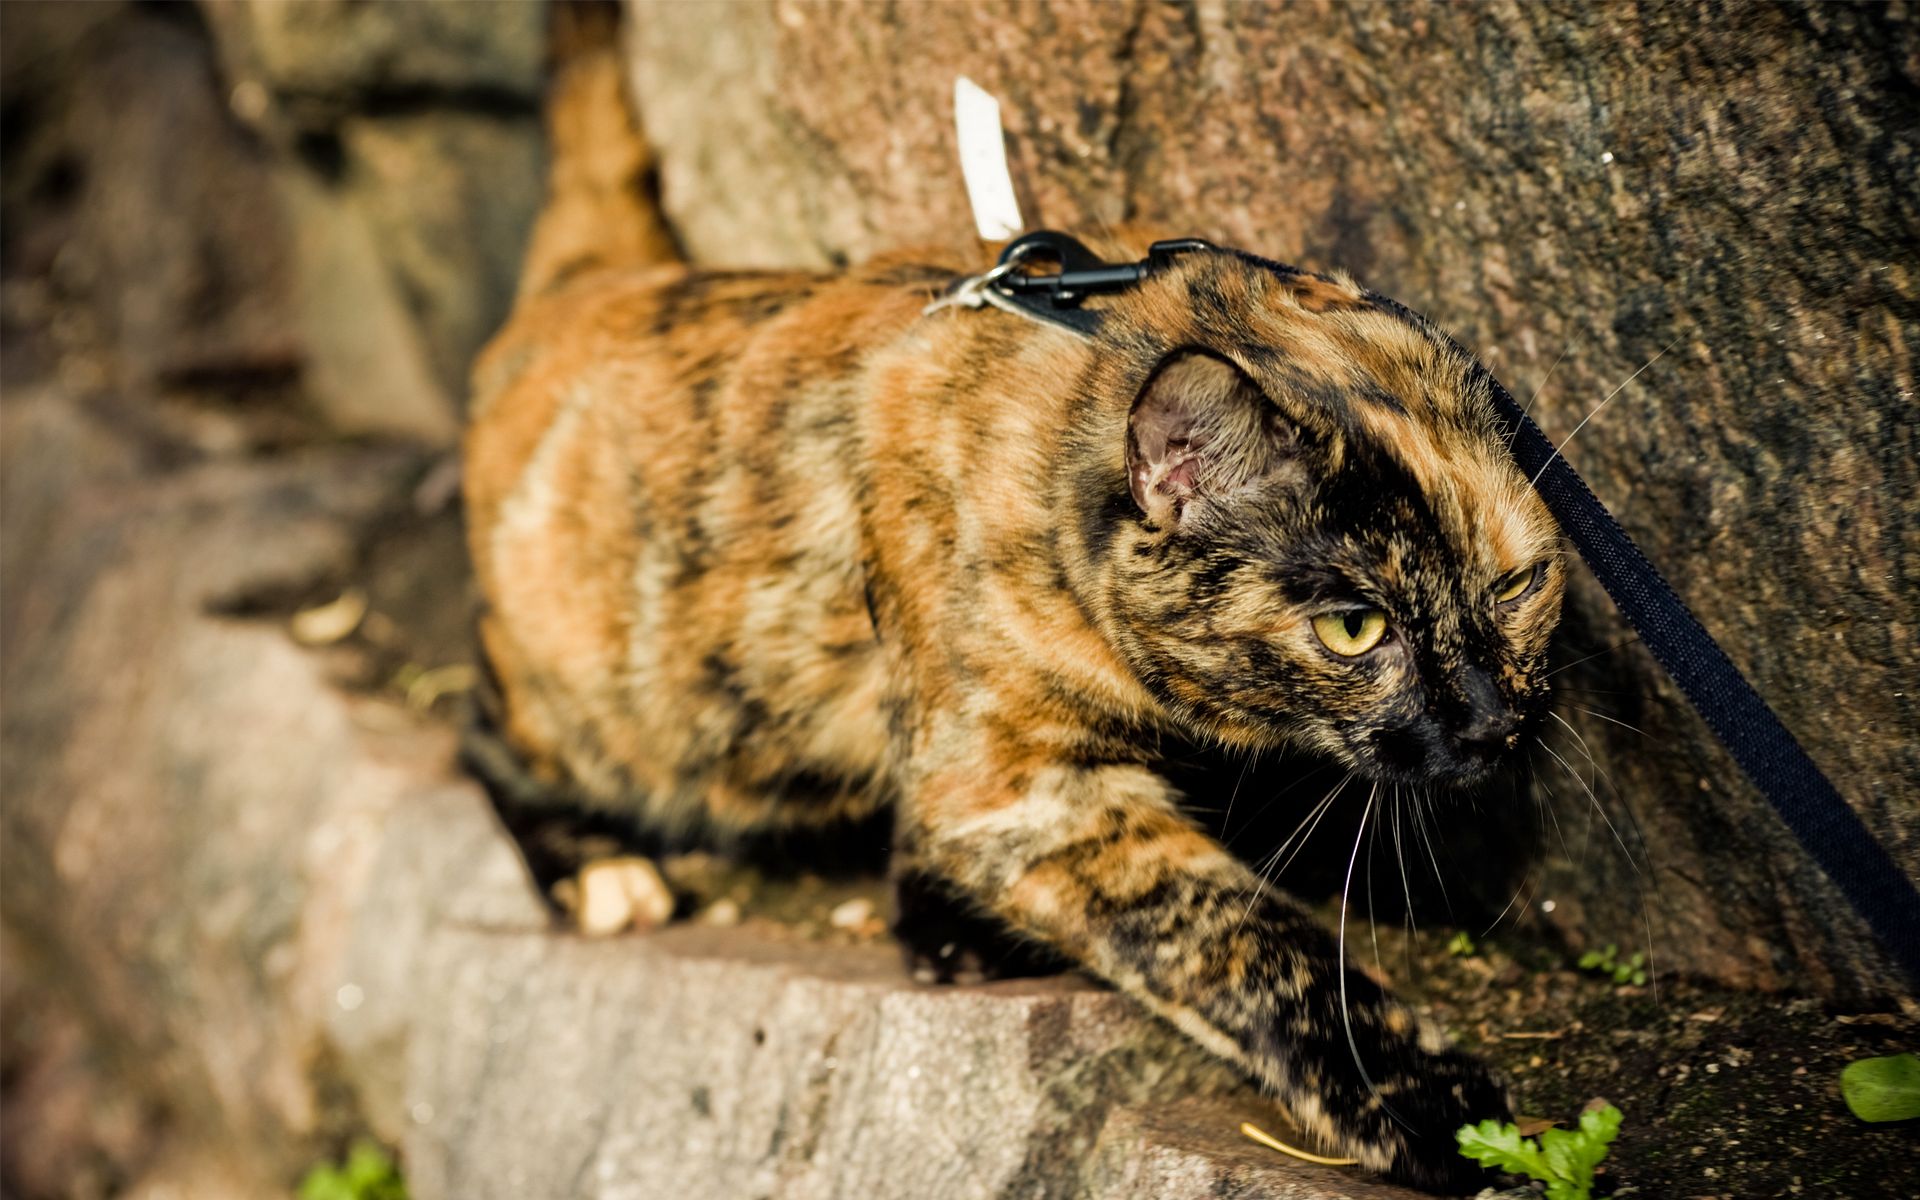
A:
[773,550]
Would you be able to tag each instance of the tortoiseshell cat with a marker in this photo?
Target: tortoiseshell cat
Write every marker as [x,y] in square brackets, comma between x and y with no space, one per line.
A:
[772,549]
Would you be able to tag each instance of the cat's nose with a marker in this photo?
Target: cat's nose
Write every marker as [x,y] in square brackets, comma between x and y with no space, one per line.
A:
[1490,720]
[1489,730]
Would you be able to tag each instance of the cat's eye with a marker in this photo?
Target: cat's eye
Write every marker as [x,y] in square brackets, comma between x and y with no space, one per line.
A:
[1514,584]
[1351,633]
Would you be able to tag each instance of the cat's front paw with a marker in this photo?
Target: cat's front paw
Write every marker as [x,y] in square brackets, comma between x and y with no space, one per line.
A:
[1420,1113]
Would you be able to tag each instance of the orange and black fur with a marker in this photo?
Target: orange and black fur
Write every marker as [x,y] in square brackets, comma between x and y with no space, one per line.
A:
[770,550]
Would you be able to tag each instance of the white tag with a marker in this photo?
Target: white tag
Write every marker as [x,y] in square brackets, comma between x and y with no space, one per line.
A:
[983,161]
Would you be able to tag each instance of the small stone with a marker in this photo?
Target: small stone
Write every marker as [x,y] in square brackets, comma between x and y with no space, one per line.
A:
[249,101]
[330,622]
[723,913]
[622,893]
[851,915]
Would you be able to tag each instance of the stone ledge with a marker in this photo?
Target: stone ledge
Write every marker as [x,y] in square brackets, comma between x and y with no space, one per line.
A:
[702,1062]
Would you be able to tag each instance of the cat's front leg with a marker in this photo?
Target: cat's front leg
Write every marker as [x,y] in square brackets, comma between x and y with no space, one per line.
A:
[1098,863]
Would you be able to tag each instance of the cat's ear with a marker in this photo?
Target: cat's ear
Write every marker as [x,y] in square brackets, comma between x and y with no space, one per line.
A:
[1202,431]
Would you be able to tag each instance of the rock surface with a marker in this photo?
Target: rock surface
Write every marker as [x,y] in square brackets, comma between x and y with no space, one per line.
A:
[330,197]
[823,1072]
[1576,191]
[130,189]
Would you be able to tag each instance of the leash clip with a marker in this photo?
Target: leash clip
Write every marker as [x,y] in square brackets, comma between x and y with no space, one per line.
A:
[1083,273]
[1054,297]
[976,291]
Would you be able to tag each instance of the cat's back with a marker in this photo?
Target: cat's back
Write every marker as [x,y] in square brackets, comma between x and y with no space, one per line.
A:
[662,503]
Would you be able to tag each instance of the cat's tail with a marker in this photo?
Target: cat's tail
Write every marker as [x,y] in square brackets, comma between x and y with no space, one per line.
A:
[600,209]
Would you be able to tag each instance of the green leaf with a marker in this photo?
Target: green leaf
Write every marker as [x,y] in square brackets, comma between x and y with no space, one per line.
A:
[1590,960]
[368,1174]
[1563,1159]
[368,1167]
[1585,1148]
[1493,1144]
[1883,1089]
[325,1183]
[1601,1126]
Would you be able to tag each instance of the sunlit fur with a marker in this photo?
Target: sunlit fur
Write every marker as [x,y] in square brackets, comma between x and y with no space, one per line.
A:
[763,550]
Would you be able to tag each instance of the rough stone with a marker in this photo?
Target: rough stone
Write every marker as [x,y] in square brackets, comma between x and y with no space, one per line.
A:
[185,831]
[408,150]
[825,1072]
[327,52]
[324,196]
[446,198]
[129,187]
[1575,191]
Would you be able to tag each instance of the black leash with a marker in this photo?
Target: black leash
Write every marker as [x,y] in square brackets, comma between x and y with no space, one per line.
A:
[1767,752]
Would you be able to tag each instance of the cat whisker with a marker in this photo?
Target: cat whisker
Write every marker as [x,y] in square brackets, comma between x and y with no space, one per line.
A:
[1597,807]
[1527,409]
[1546,807]
[1422,813]
[1527,883]
[1640,879]
[1600,773]
[1533,875]
[1308,823]
[1611,720]
[1235,793]
[1589,658]
[1346,1012]
[1584,748]
[1640,839]
[1406,886]
[1596,408]
[1323,808]
[1373,923]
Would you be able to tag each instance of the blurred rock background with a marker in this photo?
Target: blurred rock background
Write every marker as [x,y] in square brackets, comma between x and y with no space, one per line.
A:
[247,248]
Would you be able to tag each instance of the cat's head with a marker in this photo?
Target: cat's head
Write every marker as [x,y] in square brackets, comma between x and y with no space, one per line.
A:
[1322,537]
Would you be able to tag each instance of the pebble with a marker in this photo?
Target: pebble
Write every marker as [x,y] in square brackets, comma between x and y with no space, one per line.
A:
[853,914]
[622,893]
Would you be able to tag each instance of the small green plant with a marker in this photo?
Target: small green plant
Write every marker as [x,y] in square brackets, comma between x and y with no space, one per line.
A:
[1606,962]
[1883,1089]
[368,1174]
[1462,945]
[1563,1159]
